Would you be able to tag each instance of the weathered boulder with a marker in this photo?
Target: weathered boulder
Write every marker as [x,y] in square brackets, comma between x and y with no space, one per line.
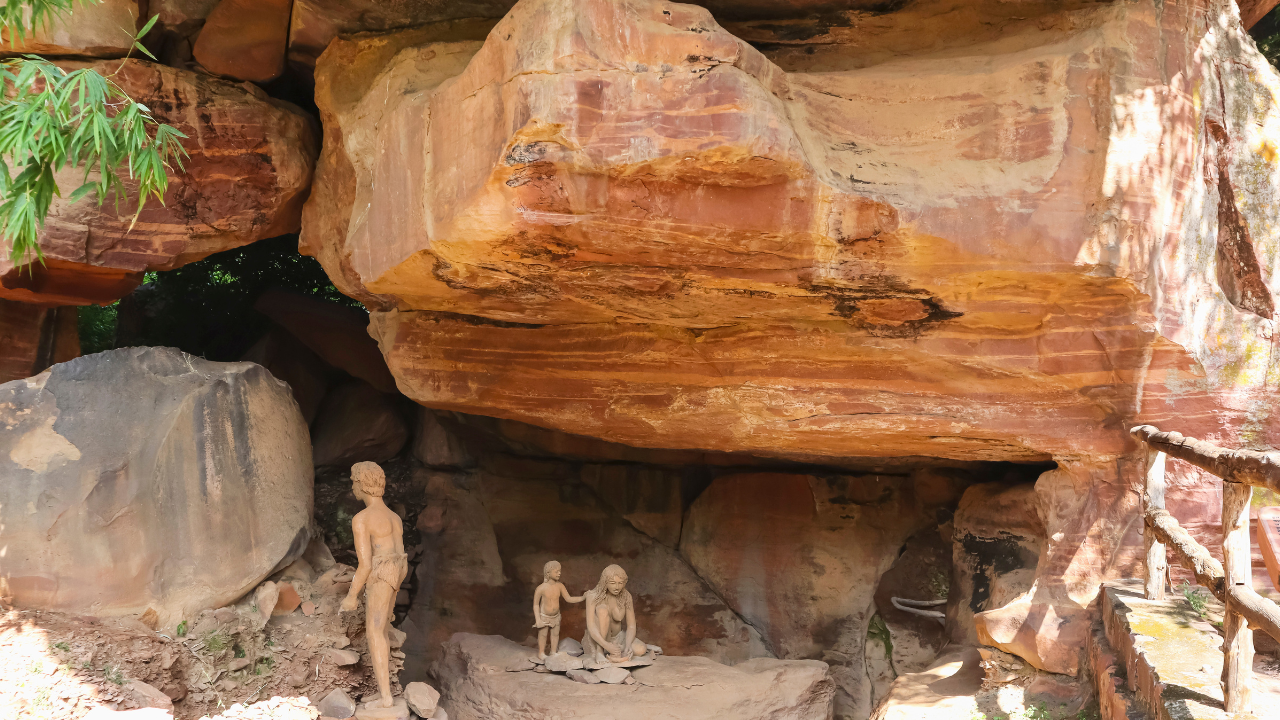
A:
[476,686]
[33,337]
[997,536]
[289,360]
[249,170]
[435,445]
[146,478]
[355,423]
[245,39]
[799,557]
[98,30]
[337,333]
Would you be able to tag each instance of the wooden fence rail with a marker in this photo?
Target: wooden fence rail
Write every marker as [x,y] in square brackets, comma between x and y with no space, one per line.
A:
[1230,581]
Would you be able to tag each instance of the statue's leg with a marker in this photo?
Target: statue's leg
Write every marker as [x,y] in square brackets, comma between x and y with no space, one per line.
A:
[542,641]
[638,648]
[554,647]
[379,603]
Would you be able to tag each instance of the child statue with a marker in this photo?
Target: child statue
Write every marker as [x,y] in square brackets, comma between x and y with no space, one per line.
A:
[611,621]
[382,567]
[546,607]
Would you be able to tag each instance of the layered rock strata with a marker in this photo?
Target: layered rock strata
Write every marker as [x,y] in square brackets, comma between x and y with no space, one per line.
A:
[1007,244]
[248,172]
[200,495]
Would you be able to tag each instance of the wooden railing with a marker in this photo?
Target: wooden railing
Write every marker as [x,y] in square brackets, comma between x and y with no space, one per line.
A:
[1230,581]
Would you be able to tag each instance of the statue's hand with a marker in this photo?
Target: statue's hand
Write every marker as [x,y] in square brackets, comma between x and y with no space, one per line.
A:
[349,603]
[611,649]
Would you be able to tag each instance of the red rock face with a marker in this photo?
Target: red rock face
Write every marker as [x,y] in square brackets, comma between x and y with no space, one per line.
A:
[32,338]
[245,39]
[250,165]
[929,235]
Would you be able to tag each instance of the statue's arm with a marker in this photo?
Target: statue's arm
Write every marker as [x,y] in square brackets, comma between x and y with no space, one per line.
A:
[564,592]
[593,627]
[364,555]
[399,534]
[631,631]
[537,600]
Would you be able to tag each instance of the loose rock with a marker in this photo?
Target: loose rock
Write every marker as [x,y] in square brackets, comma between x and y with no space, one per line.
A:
[337,704]
[563,662]
[422,698]
[583,676]
[612,675]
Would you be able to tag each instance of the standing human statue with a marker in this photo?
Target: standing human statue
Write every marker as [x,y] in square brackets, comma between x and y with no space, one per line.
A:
[611,621]
[383,565]
[546,607]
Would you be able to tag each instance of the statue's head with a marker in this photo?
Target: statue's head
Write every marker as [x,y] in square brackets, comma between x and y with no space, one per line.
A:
[614,580]
[551,571]
[367,480]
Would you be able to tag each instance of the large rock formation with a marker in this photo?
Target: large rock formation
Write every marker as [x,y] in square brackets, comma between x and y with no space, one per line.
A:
[146,478]
[481,679]
[488,532]
[799,557]
[249,170]
[976,232]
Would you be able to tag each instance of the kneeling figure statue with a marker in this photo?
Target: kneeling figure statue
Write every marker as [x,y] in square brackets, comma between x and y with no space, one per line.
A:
[611,622]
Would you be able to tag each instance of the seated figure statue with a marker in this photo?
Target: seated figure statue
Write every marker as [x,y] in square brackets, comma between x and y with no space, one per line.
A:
[611,622]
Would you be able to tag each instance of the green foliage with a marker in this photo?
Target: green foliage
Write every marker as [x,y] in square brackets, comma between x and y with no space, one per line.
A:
[263,665]
[97,327]
[877,630]
[20,17]
[63,646]
[939,584]
[1195,596]
[51,119]
[182,629]
[216,642]
[207,308]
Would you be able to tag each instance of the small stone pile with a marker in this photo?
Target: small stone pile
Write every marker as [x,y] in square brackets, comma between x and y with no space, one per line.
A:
[568,661]
[277,708]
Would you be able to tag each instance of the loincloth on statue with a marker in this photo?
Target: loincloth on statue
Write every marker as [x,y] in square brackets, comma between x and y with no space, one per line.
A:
[547,621]
[389,568]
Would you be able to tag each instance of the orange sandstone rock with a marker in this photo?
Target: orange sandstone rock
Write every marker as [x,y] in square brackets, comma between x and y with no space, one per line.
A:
[251,160]
[931,234]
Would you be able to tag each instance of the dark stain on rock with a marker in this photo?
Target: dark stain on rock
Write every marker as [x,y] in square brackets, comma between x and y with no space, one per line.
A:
[886,307]
[1238,271]
[993,556]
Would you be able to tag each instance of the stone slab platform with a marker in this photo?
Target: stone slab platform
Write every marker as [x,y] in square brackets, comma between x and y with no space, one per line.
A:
[486,677]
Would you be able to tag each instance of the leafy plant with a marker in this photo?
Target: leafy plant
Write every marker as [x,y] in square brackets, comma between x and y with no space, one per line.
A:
[216,642]
[51,119]
[1197,598]
[19,17]
[877,630]
[263,665]
[63,646]
[939,584]
[182,629]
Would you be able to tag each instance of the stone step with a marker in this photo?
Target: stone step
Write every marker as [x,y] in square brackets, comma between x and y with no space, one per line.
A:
[1171,657]
[1109,679]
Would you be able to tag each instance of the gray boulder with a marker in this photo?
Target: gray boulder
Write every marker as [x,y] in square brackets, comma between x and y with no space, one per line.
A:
[147,478]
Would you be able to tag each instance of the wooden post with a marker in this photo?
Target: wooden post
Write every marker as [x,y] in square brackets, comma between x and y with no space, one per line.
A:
[1153,498]
[1237,668]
